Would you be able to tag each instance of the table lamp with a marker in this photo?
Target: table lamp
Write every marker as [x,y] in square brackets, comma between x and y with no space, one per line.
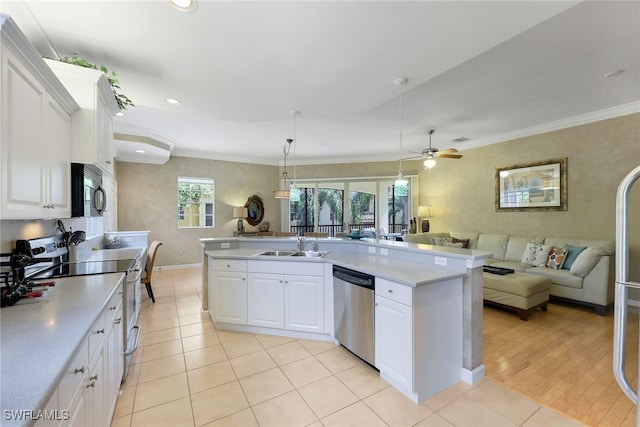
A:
[424,212]
[240,213]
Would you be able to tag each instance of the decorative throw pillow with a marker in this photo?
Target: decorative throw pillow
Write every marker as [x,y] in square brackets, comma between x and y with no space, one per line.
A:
[465,242]
[441,241]
[556,258]
[585,262]
[536,254]
[574,251]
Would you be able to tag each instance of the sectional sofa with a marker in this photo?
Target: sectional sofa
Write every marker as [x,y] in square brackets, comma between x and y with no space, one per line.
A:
[578,268]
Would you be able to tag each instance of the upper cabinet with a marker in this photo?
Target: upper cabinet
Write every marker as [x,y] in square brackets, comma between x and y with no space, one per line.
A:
[36,132]
[92,125]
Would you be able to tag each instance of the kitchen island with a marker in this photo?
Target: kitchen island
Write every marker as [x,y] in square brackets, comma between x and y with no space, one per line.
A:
[428,301]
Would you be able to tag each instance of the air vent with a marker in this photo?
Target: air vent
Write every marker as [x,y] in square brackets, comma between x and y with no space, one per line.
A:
[461,139]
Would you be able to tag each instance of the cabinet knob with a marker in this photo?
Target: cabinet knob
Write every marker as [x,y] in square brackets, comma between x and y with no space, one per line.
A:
[390,291]
[79,371]
[108,162]
[100,331]
[112,308]
[117,321]
[93,377]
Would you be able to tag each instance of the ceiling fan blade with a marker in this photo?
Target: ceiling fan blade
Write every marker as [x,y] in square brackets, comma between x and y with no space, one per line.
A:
[449,150]
[442,155]
[412,157]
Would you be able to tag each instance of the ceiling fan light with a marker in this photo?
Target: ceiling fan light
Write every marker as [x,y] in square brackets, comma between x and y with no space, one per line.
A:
[430,163]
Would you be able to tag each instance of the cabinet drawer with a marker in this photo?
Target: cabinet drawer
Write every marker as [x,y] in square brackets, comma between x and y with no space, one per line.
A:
[112,306]
[96,335]
[73,376]
[394,291]
[229,265]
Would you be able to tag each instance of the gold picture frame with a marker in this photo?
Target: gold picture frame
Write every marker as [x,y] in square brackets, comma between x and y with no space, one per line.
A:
[537,186]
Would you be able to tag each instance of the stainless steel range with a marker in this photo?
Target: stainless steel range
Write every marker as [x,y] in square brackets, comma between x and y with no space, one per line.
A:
[46,258]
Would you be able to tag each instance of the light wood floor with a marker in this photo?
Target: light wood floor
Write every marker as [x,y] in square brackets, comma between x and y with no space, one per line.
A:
[562,359]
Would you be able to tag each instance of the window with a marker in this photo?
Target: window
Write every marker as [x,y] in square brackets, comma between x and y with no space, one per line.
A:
[195,202]
[329,213]
[338,206]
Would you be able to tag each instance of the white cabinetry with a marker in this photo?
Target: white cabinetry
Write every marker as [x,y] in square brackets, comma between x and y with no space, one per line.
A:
[229,296]
[36,133]
[92,125]
[265,305]
[417,336]
[293,300]
[270,294]
[394,332]
[88,391]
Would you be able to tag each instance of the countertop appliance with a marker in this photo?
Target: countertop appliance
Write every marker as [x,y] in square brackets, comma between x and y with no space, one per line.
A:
[88,198]
[353,315]
[622,285]
[49,257]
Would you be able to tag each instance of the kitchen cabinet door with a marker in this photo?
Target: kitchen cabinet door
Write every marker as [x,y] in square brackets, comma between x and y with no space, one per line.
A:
[230,297]
[304,303]
[266,300]
[394,341]
[23,124]
[115,362]
[104,133]
[36,147]
[58,164]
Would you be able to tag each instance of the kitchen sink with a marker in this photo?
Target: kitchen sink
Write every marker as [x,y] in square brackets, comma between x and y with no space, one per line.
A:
[276,253]
[310,254]
[313,254]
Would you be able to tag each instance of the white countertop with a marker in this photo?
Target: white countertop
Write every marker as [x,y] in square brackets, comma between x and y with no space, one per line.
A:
[40,336]
[408,273]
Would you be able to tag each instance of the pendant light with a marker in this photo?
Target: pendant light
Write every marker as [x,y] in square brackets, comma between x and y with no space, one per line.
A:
[401,181]
[294,194]
[284,185]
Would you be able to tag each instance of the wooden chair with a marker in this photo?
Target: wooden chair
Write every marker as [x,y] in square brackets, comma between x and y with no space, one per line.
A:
[148,269]
[315,234]
[285,233]
[264,233]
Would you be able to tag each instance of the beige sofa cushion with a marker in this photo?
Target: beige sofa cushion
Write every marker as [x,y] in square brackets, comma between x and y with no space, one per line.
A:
[494,243]
[585,262]
[517,245]
[559,277]
[425,238]
[606,246]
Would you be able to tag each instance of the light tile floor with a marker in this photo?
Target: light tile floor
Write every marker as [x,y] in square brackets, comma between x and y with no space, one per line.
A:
[187,373]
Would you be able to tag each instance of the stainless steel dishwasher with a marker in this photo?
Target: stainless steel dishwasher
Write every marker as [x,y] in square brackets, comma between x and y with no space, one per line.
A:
[353,311]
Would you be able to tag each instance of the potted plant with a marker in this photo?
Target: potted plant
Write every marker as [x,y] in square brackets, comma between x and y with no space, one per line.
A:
[112,76]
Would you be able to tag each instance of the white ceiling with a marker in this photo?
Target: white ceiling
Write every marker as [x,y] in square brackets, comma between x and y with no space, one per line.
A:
[488,71]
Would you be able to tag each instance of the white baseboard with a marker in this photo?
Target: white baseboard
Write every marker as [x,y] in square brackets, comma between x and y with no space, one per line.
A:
[473,377]
[178,267]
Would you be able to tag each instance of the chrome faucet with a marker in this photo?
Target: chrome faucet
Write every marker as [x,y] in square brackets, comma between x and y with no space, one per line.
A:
[301,242]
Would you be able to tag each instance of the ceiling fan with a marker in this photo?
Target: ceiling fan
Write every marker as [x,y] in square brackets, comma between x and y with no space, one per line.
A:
[431,154]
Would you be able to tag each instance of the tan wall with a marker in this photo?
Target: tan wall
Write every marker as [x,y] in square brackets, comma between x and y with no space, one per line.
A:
[462,192]
[147,200]
[600,155]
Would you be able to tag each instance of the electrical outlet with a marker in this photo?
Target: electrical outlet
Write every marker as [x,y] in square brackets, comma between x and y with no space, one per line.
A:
[226,245]
[440,260]
[384,251]
[127,239]
[372,249]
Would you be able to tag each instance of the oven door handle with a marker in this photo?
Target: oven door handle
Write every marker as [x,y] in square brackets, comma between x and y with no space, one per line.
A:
[133,348]
[138,272]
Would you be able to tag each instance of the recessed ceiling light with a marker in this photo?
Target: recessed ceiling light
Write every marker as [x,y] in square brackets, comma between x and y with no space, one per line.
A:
[140,151]
[184,5]
[615,73]
[172,101]
[120,114]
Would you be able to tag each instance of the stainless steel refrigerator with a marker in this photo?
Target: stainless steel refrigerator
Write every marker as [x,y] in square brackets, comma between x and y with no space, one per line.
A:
[622,286]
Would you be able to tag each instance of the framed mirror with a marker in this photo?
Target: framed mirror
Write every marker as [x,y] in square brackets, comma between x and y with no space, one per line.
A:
[255,209]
